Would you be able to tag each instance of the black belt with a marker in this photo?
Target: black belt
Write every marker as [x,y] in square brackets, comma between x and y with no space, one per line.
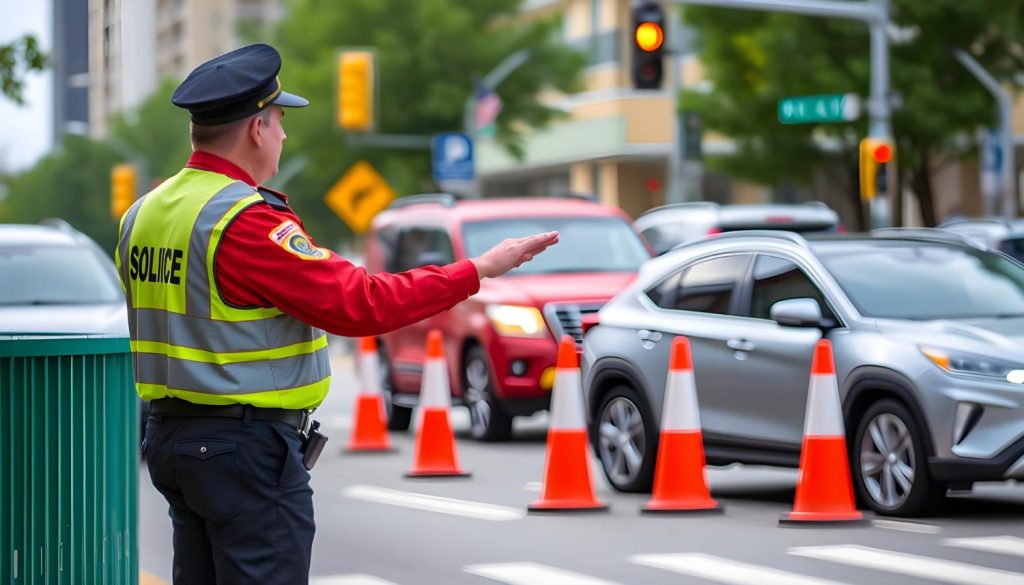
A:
[176,407]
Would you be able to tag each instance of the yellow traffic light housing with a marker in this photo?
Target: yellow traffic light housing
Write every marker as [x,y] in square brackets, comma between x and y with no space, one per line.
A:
[876,156]
[356,73]
[123,189]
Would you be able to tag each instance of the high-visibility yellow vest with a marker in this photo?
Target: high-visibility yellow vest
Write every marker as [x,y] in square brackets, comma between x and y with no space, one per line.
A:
[186,341]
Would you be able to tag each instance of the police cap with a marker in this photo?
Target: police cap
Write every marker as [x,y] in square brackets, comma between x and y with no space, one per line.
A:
[234,86]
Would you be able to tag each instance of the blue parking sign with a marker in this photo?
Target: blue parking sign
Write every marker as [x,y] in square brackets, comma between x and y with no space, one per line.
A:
[453,157]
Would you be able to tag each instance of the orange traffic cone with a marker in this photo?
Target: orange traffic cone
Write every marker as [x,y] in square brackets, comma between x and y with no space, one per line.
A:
[435,443]
[680,480]
[567,481]
[369,431]
[824,490]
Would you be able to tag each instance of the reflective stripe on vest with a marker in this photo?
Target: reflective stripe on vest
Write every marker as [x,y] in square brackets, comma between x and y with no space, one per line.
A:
[187,342]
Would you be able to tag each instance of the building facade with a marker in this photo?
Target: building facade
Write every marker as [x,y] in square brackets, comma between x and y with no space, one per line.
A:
[618,142]
[144,41]
[70,59]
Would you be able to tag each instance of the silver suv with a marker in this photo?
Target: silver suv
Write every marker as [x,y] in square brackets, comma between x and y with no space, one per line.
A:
[928,332]
[681,223]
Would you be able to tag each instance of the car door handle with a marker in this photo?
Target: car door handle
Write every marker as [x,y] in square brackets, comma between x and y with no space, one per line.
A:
[740,345]
[647,335]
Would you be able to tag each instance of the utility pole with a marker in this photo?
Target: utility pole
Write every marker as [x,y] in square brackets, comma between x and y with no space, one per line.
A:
[675,191]
[1004,109]
[873,13]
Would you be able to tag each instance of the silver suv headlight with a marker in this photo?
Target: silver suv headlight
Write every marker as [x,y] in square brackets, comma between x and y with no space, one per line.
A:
[958,362]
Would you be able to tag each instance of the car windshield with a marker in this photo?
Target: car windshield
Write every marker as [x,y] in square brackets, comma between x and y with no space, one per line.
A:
[924,280]
[586,244]
[55,275]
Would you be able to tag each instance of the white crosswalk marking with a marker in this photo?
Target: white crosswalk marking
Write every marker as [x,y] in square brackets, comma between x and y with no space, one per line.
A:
[532,574]
[723,570]
[349,580]
[466,508]
[906,564]
[1006,545]
[903,526]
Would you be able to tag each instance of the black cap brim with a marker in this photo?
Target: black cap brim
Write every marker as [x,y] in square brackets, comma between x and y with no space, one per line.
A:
[290,100]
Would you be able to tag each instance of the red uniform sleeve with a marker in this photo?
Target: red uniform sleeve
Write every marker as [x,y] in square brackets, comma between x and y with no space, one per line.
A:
[253,268]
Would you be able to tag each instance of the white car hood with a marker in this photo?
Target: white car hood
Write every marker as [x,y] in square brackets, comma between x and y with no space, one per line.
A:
[90,319]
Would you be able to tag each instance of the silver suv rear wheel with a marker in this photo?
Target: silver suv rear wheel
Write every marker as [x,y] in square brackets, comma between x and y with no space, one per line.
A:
[626,440]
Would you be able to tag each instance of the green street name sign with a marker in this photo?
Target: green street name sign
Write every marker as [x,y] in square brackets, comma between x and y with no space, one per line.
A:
[810,109]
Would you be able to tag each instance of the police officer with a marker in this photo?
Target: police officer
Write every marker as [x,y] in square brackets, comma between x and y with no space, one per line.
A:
[228,302]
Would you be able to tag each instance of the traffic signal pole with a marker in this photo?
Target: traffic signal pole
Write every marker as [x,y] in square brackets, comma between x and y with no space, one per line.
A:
[873,13]
[1004,107]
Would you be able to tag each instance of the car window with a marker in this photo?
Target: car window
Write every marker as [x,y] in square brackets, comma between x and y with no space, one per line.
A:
[420,247]
[56,275]
[925,280]
[1013,247]
[586,244]
[663,238]
[777,279]
[663,294]
[708,286]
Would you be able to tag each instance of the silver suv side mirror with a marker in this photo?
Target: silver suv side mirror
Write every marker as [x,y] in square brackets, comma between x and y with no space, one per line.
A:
[797,313]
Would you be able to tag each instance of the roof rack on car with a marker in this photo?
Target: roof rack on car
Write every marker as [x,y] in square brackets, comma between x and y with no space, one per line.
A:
[775,234]
[682,205]
[931,234]
[581,196]
[56,222]
[446,200]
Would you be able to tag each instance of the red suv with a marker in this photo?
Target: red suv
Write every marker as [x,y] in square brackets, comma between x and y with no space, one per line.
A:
[500,343]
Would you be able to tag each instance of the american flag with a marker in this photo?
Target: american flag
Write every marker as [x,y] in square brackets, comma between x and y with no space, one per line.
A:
[488,105]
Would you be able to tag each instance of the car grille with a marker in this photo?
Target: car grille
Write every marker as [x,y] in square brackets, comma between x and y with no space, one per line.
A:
[566,319]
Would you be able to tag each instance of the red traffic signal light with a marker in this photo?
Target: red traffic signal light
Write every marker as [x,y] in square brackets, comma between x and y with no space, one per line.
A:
[649,36]
[882,153]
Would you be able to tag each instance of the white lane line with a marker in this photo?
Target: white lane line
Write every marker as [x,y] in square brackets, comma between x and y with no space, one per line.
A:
[349,580]
[907,526]
[917,566]
[723,570]
[466,508]
[1006,545]
[532,574]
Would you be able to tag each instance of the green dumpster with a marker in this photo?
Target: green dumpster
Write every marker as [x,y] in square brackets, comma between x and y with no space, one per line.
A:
[68,461]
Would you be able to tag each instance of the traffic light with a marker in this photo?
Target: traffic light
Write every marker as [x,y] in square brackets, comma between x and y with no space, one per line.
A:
[876,156]
[356,90]
[648,45]
[122,189]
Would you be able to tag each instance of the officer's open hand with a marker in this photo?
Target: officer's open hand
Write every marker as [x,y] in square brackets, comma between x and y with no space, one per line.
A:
[512,253]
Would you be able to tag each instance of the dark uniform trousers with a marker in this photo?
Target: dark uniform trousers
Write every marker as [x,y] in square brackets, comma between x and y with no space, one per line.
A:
[239,495]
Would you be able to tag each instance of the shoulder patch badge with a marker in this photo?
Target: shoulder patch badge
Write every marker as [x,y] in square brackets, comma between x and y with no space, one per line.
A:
[290,236]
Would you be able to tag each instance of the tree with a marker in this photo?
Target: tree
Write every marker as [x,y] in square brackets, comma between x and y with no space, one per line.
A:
[753,59]
[429,53]
[16,60]
[72,183]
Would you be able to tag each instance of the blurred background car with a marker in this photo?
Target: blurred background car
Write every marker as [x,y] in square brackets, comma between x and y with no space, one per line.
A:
[927,329]
[997,233]
[500,343]
[672,225]
[55,280]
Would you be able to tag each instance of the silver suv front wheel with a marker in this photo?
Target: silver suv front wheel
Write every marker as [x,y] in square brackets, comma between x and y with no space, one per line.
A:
[889,461]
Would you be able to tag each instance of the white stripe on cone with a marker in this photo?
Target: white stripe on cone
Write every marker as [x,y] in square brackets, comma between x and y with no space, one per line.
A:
[681,412]
[369,373]
[434,391]
[567,410]
[824,413]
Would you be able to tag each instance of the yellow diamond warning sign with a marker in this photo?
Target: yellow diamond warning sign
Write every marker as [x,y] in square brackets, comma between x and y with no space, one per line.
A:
[359,195]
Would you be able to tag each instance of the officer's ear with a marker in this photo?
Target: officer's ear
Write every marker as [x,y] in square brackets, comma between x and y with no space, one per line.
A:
[255,128]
